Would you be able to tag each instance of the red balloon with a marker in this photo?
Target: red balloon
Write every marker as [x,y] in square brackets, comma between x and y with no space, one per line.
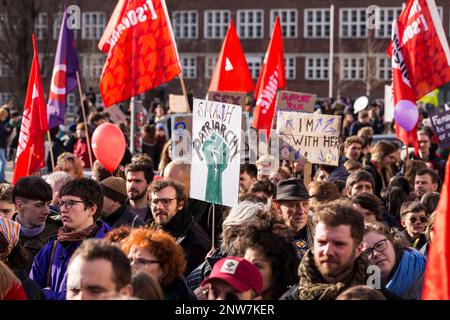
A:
[108,144]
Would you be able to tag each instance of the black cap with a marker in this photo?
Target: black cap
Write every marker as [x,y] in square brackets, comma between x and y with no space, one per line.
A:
[291,189]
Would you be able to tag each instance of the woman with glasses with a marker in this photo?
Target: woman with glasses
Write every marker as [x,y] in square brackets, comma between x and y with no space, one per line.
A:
[401,269]
[156,253]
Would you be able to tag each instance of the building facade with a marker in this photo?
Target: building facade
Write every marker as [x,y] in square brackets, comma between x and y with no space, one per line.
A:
[360,64]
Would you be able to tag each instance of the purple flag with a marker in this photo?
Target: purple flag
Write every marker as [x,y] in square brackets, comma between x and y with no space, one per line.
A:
[64,79]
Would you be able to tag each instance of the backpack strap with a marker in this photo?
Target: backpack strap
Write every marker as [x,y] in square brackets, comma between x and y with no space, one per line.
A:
[49,270]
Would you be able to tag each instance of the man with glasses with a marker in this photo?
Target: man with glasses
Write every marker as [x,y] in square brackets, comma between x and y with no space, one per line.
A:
[80,207]
[32,196]
[291,204]
[167,200]
[414,219]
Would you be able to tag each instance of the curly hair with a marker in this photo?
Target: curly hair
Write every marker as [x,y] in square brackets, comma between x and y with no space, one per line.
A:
[116,235]
[270,238]
[164,247]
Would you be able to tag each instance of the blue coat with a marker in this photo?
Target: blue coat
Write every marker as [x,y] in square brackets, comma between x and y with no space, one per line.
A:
[55,289]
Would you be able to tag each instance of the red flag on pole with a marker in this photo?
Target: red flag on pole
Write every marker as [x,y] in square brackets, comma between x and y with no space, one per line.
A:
[231,72]
[420,56]
[437,275]
[271,78]
[141,50]
[30,155]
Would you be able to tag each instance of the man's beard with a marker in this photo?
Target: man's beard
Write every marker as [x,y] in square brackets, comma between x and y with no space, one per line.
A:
[139,196]
[338,270]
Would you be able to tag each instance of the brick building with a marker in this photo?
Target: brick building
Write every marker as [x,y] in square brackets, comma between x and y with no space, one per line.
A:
[361,66]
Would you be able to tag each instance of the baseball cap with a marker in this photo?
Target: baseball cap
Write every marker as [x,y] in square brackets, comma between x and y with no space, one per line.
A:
[239,273]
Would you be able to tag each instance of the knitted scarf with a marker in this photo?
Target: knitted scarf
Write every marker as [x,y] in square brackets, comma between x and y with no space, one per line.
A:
[312,286]
[30,232]
[65,235]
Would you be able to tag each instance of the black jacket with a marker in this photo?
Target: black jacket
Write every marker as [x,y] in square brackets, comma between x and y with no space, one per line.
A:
[32,290]
[178,290]
[123,217]
[195,242]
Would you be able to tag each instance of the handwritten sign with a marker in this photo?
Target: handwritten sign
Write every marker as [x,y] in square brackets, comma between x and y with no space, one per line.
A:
[181,137]
[177,104]
[116,115]
[441,125]
[313,136]
[295,101]
[216,147]
[237,98]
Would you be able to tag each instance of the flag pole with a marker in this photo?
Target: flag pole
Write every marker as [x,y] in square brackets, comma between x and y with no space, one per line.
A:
[132,124]
[88,140]
[331,58]
[52,157]
[213,226]
[183,88]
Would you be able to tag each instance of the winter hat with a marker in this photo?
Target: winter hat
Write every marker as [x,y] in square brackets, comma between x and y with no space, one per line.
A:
[115,188]
[11,231]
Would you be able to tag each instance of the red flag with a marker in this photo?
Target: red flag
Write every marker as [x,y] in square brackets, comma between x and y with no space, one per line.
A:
[30,155]
[271,78]
[437,275]
[420,56]
[231,72]
[141,50]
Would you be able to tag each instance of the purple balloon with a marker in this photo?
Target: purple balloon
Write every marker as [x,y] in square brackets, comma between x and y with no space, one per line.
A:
[406,114]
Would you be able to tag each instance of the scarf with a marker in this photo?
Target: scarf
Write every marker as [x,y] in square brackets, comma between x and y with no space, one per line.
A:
[312,286]
[65,235]
[30,232]
[408,275]
[11,230]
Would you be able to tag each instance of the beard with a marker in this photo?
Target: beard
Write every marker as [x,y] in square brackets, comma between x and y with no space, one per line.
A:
[138,196]
[337,269]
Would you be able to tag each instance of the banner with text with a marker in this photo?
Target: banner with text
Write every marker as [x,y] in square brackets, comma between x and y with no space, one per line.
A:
[441,125]
[181,136]
[177,104]
[295,101]
[216,141]
[237,98]
[313,136]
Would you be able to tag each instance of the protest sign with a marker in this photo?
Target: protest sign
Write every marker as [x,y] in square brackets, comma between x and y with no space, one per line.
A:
[177,104]
[313,136]
[295,101]
[116,115]
[216,141]
[441,125]
[181,136]
[237,98]
[388,104]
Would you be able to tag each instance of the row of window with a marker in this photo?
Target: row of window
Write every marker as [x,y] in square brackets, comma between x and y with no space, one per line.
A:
[250,23]
[316,67]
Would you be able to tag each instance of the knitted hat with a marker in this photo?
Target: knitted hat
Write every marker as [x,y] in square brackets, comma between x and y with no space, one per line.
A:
[115,188]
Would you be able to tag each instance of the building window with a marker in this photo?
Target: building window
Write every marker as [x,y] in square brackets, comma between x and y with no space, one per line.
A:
[353,23]
[288,19]
[93,65]
[5,97]
[384,68]
[5,71]
[71,102]
[254,62]
[353,68]
[93,25]
[387,16]
[317,23]
[99,100]
[250,24]
[40,25]
[210,64]
[289,67]
[189,67]
[185,24]
[316,68]
[216,23]
[3,25]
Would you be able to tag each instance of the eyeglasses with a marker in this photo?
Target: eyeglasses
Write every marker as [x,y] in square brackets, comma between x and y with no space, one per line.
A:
[69,203]
[165,201]
[380,246]
[141,262]
[421,219]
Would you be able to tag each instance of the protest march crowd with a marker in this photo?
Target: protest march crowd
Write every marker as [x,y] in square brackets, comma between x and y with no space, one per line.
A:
[84,217]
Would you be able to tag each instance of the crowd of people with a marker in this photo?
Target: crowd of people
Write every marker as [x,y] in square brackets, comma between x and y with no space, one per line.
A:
[81,232]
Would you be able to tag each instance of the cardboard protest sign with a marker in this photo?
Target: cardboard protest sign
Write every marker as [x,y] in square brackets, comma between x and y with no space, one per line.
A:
[295,101]
[181,137]
[388,104]
[441,125]
[216,141]
[116,115]
[313,136]
[177,104]
[237,98]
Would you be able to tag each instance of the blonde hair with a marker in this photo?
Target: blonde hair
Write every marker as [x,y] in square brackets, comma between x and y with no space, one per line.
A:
[7,280]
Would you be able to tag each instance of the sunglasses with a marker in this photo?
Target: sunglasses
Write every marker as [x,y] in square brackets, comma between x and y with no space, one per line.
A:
[421,219]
